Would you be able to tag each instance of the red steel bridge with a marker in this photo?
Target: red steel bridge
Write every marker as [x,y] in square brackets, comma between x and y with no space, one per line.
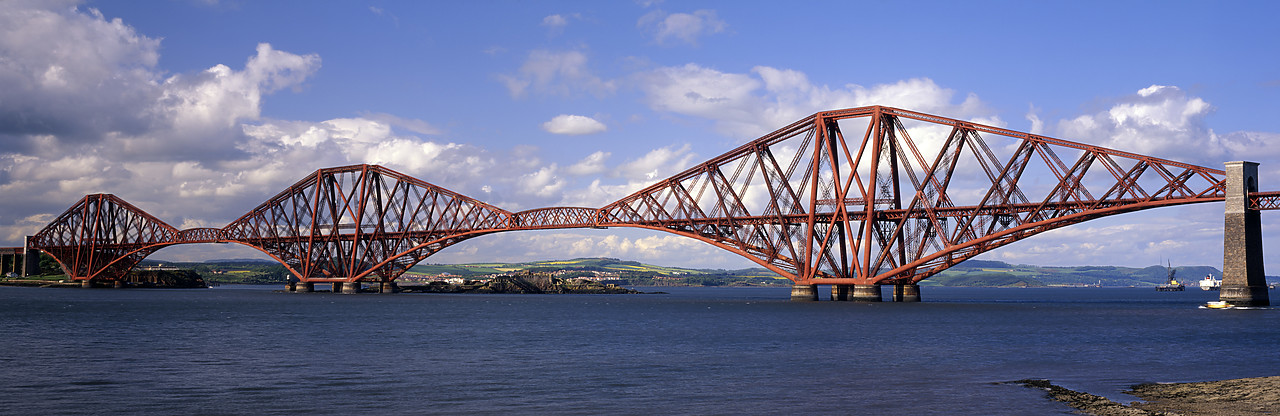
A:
[901,198]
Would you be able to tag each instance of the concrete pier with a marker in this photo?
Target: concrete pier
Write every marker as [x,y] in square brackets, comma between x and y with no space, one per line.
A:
[839,292]
[87,284]
[119,284]
[30,259]
[906,293]
[804,293]
[866,293]
[304,287]
[389,287]
[1243,280]
[349,287]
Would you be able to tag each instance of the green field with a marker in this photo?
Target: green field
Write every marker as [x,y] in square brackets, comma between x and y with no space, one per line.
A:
[995,273]
[628,272]
[969,273]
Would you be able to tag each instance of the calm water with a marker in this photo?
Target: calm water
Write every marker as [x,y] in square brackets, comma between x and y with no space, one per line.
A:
[247,350]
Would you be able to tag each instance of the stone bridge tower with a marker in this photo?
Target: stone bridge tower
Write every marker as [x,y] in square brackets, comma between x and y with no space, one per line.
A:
[1243,280]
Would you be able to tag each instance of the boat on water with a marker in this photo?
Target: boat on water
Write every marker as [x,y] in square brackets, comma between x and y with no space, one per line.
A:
[1210,283]
[1218,304]
[1172,284]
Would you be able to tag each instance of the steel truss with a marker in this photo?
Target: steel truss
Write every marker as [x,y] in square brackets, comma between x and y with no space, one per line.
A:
[103,237]
[812,205]
[807,201]
[362,222]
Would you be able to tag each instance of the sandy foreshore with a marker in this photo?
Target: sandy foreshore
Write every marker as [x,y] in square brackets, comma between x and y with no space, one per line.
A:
[1240,397]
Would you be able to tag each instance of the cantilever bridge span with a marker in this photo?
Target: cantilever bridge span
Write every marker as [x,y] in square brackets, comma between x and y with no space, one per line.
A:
[852,198]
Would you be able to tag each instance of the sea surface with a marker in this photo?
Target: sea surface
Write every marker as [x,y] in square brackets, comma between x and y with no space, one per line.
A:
[236,350]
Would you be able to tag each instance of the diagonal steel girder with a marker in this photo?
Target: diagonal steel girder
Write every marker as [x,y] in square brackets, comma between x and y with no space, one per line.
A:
[102,237]
[856,196]
[362,222]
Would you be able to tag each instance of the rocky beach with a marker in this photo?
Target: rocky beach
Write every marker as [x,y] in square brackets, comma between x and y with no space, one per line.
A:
[1238,397]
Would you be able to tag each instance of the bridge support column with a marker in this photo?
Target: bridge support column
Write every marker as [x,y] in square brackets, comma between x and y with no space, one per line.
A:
[304,287]
[119,284]
[389,287]
[30,259]
[906,293]
[349,287]
[86,284]
[290,286]
[839,292]
[1243,281]
[867,293]
[804,293]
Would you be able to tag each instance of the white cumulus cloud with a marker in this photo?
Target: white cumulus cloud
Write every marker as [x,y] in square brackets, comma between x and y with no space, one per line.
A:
[556,73]
[747,105]
[684,27]
[590,165]
[573,125]
[1158,120]
[556,23]
[85,110]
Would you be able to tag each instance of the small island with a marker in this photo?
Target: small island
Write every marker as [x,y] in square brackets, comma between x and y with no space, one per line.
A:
[524,282]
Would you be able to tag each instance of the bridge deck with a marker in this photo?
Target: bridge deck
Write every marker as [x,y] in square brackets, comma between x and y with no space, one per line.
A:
[798,201]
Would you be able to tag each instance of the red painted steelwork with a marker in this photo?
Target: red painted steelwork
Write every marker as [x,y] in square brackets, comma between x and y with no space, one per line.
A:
[805,201]
[201,235]
[103,237]
[1264,200]
[555,217]
[362,222]
[876,210]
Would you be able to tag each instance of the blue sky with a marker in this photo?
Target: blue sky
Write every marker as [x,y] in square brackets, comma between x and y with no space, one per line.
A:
[197,111]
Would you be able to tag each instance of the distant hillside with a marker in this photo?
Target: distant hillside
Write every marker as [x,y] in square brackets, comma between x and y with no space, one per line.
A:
[997,273]
[624,272]
[235,271]
[968,273]
[150,262]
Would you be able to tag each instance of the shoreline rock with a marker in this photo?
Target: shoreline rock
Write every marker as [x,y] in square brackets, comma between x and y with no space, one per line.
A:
[1237,397]
[1084,402]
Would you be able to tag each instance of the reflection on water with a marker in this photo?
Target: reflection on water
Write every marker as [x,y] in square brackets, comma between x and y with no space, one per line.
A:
[249,350]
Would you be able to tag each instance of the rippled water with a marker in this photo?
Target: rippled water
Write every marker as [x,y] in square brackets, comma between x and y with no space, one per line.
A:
[249,350]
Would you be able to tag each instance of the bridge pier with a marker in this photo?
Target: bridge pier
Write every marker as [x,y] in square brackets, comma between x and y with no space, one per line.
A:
[10,261]
[304,287]
[906,293]
[1243,280]
[349,287]
[87,284]
[118,284]
[389,287]
[30,259]
[867,293]
[839,292]
[804,293]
